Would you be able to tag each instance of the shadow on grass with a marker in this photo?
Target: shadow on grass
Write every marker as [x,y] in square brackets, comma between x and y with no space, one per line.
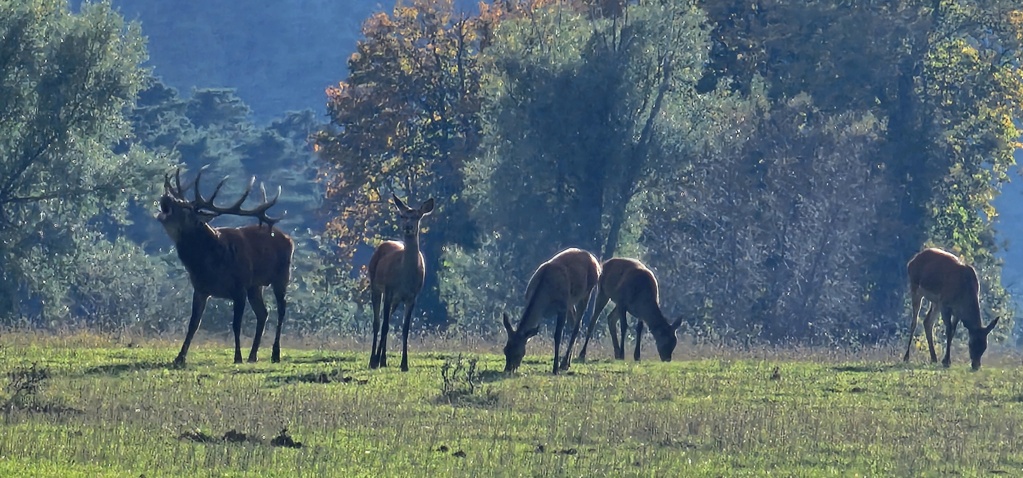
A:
[490,376]
[333,376]
[868,368]
[121,368]
[321,360]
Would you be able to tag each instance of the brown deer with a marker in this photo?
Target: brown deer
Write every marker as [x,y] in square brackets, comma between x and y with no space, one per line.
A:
[396,273]
[633,289]
[561,287]
[953,286]
[227,262]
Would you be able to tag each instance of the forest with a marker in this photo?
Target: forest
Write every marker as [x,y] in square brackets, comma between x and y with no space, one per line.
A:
[776,164]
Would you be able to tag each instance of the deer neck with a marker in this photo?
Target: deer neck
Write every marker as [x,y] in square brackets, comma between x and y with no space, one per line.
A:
[194,245]
[969,314]
[410,257]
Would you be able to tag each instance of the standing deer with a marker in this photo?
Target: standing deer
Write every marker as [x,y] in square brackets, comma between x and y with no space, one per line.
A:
[633,289]
[227,262]
[953,286]
[562,287]
[396,273]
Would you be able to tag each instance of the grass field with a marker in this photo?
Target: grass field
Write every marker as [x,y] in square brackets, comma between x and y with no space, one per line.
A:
[82,405]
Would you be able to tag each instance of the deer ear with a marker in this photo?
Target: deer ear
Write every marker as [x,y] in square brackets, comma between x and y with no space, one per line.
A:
[991,326]
[677,323]
[205,216]
[398,203]
[507,324]
[427,207]
[533,332]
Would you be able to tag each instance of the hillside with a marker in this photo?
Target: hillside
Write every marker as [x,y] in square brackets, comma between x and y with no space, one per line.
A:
[280,56]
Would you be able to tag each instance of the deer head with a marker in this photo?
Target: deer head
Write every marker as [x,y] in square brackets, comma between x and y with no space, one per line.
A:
[179,215]
[409,217]
[515,349]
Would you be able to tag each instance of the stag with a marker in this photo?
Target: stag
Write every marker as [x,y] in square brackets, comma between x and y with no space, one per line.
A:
[633,289]
[953,286]
[396,273]
[561,287]
[227,262]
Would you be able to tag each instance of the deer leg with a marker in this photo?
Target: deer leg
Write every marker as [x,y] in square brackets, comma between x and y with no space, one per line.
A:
[929,331]
[597,310]
[236,326]
[639,338]
[385,329]
[409,306]
[198,306]
[374,357]
[950,332]
[623,324]
[917,297]
[259,308]
[577,321]
[559,330]
[282,305]
[612,322]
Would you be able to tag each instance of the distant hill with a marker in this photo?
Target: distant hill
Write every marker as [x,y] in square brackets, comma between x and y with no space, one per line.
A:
[279,55]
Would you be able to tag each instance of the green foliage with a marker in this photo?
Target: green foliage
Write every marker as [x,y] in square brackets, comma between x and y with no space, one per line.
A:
[767,237]
[65,82]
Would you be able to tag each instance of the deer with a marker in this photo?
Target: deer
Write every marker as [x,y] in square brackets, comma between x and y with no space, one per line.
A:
[942,279]
[633,288]
[396,274]
[233,263]
[561,287]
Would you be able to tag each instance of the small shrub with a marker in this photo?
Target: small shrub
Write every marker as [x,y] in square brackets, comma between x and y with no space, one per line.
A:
[23,386]
[462,381]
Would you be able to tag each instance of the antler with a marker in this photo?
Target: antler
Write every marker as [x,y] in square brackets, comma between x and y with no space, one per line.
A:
[199,202]
[174,191]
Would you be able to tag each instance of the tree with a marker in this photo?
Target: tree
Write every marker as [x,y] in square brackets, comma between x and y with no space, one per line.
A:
[405,121]
[65,82]
[576,107]
[943,76]
[771,228]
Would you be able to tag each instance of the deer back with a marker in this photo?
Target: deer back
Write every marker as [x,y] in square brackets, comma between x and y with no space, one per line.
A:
[629,283]
[941,275]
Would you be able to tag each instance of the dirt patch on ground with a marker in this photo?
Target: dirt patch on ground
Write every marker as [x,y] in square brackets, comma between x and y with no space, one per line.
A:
[236,437]
[285,440]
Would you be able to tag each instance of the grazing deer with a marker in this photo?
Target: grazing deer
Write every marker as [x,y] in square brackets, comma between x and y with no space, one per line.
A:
[633,289]
[953,286]
[396,273]
[227,262]
[562,287]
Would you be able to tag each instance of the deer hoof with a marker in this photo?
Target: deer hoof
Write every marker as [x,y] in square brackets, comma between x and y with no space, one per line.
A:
[179,362]
[275,359]
[252,359]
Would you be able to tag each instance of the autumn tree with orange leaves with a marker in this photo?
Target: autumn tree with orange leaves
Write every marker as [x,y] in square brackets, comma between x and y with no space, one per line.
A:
[404,122]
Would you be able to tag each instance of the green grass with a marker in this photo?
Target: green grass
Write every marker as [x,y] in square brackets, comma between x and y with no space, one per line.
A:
[109,410]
